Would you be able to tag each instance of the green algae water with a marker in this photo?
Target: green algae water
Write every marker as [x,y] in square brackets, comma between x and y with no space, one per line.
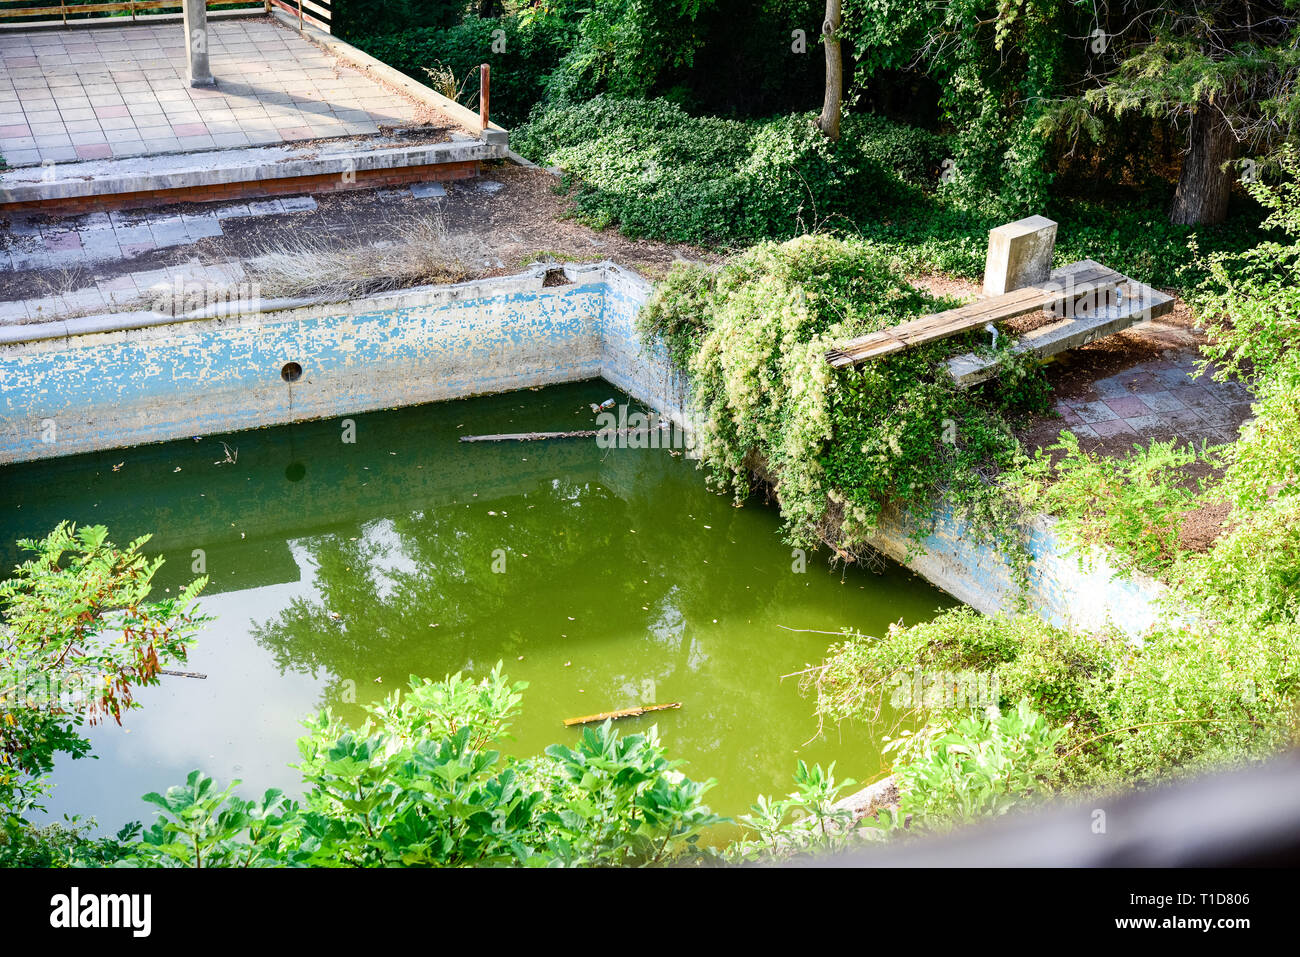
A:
[347,554]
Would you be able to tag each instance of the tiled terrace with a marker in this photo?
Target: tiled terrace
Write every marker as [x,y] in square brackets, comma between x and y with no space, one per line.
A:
[69,95]
[1158,399]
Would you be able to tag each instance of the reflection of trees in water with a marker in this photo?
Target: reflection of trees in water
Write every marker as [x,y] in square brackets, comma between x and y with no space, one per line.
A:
[377,596]
[377,599]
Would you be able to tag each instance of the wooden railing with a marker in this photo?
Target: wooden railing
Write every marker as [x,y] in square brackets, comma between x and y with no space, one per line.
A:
[315,12]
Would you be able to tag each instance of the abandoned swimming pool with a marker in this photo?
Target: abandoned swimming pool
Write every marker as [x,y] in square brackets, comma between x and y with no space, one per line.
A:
[350,552]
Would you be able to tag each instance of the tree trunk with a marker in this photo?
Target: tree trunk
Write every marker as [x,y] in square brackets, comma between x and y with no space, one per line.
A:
[487,9]
[829,121]
[1205,184]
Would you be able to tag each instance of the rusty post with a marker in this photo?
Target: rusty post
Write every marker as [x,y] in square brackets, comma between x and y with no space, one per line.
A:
[484,76]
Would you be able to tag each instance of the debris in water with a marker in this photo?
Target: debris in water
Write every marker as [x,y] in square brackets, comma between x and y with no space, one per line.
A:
[621,713]
[118,466]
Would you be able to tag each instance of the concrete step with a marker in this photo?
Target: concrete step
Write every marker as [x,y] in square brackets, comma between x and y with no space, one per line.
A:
[230,174]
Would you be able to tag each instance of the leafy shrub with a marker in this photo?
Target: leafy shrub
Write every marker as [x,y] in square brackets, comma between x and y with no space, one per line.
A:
[1025,658]
[78,636]
[837,444]
[624,47]
[916,155]
[419,785]
[652,170]
[1134,504]
[1264,464]
[804,822]
[979,765]
[1193,694]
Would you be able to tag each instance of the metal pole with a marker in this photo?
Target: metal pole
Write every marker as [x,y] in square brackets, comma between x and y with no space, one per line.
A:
[195,13]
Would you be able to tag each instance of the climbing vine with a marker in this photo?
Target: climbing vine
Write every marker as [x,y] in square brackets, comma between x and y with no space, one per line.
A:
[838,446]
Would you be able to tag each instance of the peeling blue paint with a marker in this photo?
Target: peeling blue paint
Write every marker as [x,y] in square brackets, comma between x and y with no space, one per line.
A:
[112,388]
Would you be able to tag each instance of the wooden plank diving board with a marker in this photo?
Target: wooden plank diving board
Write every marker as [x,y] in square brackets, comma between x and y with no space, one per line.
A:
[1084,278]
[1132,303]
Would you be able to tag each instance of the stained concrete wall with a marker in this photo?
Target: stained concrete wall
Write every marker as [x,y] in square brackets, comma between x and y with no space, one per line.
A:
[1086,598]
[115,381]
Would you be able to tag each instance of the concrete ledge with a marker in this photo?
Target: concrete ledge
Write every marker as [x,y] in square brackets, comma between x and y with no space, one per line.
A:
[116,380]
[494,134]
[223,167]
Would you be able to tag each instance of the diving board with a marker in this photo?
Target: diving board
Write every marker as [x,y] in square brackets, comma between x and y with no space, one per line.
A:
[1087,299]
[1129,303]
[1082,280]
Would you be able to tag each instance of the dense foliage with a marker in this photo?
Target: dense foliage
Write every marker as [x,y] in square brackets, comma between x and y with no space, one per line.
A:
[838,446]
[531,49]
[420,784]
[78,636]
[1218,680]
[652,170]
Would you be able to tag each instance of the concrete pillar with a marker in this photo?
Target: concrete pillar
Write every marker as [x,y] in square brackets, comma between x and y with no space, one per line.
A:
[196,42]
[1020,254]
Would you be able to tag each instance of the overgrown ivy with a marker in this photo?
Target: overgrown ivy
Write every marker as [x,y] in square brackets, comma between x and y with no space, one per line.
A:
[839,446]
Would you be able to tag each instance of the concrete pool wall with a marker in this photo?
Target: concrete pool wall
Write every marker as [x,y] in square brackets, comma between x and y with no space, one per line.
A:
[126,379]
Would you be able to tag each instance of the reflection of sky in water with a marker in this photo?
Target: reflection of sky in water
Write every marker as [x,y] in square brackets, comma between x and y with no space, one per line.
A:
[231,724]
[627,582]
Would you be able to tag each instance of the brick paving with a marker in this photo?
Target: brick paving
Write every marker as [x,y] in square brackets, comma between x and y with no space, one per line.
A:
[1158,399]
[100,94]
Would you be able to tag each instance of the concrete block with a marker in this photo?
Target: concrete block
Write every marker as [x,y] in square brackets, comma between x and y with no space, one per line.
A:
[1019,255]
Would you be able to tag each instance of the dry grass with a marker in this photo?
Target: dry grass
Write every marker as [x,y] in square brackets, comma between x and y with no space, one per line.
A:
[308,265]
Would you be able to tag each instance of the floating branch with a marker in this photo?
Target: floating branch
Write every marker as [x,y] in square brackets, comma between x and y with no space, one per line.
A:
[624,713]
[181,674]
[534,436]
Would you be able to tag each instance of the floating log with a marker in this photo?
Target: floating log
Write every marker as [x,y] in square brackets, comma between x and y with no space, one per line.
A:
[535,436]
[623,713]
[181,674]
[531,436]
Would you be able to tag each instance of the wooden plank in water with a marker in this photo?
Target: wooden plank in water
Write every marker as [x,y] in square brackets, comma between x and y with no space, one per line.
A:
[539,436]
[1079,279]
[622,713]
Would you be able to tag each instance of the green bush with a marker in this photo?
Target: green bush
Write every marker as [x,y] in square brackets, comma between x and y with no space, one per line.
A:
[419,784]
[1133,504]
[838,444]
[1025,658]
[977,765]
[533,49]
[1190,696]
[654,171]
